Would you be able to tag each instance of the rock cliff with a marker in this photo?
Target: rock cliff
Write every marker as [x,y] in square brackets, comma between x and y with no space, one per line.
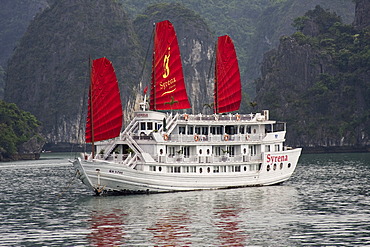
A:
[49,74]
[318,81]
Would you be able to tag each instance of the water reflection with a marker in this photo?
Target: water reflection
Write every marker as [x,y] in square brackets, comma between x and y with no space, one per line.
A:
[107,228]
[212,218]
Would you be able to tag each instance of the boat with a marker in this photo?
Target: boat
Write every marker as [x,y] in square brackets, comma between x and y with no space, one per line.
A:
[164,148]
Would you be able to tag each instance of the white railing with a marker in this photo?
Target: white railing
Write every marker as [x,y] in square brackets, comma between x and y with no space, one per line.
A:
[216,138]
[196,159]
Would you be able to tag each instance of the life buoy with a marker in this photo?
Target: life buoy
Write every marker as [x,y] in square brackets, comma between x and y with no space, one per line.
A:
[165,137]
[237,117]
[186,117]
[196,138]
[226,137]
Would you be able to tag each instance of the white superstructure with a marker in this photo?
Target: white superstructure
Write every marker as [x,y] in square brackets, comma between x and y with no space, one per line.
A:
[160,152]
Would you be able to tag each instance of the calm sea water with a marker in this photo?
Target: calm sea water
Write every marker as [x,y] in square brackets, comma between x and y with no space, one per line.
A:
[325,203]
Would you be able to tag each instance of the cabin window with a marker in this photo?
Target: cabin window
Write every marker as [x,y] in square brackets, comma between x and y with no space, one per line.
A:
[149,126]
[217,151]
[277,147]
[181,130]
[190,130]
[204,130]
[241,130]
[200,170]
[281,166]
[200,151]
[208,151]
[197,130]
[171,151]
[231,150]
[142,126]
[161,151]
[245,151]
[231,130]
[267,147]
[152,168]
[216,169]
[249,130]
[253,150]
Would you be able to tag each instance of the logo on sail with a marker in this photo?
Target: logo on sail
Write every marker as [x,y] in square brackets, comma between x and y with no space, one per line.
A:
[169,85]
[166,60]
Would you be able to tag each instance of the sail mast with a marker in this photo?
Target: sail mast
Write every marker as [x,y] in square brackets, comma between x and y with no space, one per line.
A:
[91,110]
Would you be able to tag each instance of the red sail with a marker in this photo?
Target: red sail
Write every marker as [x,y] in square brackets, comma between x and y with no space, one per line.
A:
[227,79]
[104,118]
[168,90]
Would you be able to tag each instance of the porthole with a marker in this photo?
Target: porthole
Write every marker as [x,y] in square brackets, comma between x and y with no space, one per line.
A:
[289,165]
[268,168]
[274,166]
[281,166]
[200,170]
[160,168]
[208,169]
[245,168]
[208,151]
[161,151]
[245,150]
[200,151]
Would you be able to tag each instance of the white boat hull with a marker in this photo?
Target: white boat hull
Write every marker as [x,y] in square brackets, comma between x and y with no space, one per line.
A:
[109,177]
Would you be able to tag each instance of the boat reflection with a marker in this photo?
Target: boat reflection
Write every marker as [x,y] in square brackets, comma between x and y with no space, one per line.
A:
[198,218]
[107,228]
[227,221]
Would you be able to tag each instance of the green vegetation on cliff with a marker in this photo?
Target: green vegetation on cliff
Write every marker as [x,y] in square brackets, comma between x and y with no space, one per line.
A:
[318,80]
[17,127]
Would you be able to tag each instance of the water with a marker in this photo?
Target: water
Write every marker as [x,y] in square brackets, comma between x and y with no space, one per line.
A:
[325,203]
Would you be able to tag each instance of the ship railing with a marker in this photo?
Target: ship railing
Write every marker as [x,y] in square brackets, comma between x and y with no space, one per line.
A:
[131,161]
[215,138]
[197,159]
[129,129]
[216,117]
[170,123]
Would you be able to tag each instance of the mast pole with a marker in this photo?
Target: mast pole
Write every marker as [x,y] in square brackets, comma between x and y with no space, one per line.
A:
[91,111]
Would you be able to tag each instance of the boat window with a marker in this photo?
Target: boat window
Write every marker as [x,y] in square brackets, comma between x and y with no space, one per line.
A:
[231,150]
[249,130]
[244,150]
[219,130]
[237,169]
[208,151]
[281,166]
[267,147]
[160,168]
[277,147]
[181,130]
[200,151]
[204,130]
[268,168]
[149,126]
[289,165]
[241,130]
[231,130]
[190,130]
[158,126]
[213,130]
[245,168]
[208,169]
[216,169]
[197,130]
[274,166]
[142,125]
[200,170]
[161,151]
